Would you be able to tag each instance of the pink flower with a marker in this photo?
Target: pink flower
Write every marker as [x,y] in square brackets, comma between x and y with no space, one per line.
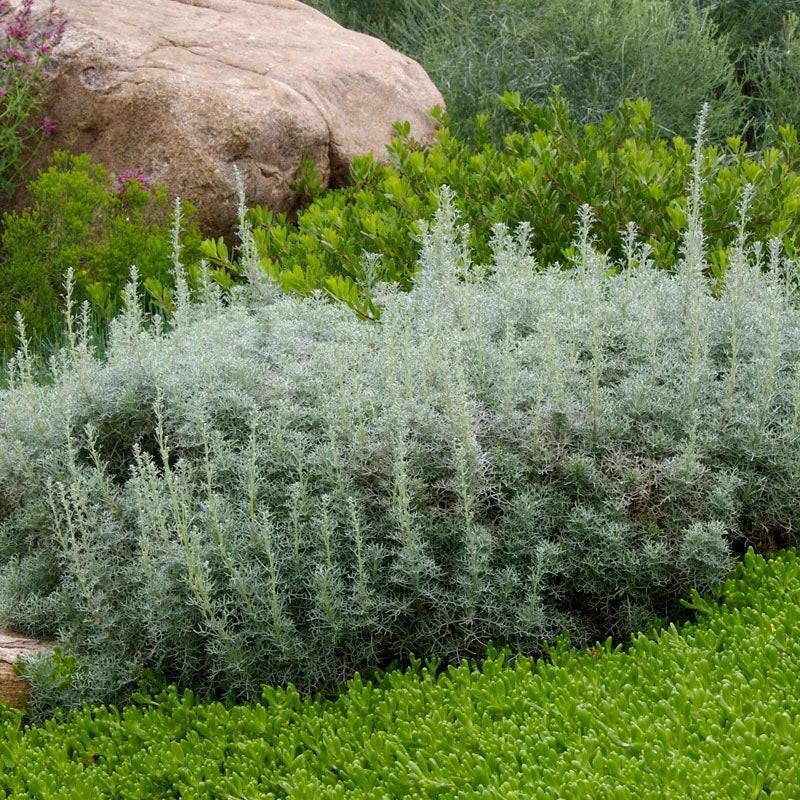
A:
[14,55]
[16,32]
[129,176]
[49,125]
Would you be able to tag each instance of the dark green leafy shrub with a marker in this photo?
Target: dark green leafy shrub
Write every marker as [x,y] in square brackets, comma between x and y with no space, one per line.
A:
[622,168]
[763,40]
[749,22]
[599,52]
[705,711]
[81,219]
[275,490]
[376,16]
[773,76]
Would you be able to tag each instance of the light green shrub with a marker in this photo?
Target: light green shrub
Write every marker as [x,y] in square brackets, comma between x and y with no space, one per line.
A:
[599,53]
[707,711]
[278,491]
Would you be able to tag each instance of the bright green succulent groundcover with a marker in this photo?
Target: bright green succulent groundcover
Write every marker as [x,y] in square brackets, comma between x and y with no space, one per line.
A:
[711,710]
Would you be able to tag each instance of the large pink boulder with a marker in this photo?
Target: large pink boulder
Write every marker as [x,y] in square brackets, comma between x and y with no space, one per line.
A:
[186,89]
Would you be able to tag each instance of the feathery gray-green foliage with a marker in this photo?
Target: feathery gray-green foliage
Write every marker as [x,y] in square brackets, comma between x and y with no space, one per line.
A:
[273,490]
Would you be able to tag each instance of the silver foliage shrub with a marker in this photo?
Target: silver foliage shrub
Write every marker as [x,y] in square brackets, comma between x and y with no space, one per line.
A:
[273,490]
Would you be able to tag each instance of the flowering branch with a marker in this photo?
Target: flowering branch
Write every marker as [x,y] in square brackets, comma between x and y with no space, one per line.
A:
[26,47]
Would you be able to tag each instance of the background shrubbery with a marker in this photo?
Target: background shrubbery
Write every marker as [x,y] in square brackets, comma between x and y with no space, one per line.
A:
[741,55]
[541,175]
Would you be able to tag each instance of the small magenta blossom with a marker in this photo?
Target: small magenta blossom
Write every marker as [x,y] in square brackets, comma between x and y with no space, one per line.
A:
[22,40]
[16,31]
[49,125]
[15,55]
[129,176]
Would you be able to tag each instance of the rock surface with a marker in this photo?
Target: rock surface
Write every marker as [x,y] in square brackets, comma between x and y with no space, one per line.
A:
[12,646]
[186,89]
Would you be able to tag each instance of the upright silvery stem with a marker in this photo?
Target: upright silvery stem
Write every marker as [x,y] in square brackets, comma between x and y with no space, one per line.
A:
[183,300]
[590,270]
[125,329]
[266,538]
[733,287]
[694,242]
[360,577]
[691,271]
[468,478]
[508,375]
[297,502]
[768,377]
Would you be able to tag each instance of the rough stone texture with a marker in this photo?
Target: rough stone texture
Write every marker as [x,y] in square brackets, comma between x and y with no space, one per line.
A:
[186,89]
[12,646]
